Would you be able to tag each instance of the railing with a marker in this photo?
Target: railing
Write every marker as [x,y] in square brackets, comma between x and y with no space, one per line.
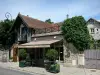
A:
[22,38]
[47,30]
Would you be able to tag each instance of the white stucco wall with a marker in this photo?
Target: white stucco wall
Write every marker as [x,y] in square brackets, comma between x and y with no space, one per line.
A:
[96,34]
[81,59]
[11,52]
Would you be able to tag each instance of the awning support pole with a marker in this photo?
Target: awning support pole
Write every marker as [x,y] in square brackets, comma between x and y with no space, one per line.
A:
[59,55]
[43,52]
[35,53]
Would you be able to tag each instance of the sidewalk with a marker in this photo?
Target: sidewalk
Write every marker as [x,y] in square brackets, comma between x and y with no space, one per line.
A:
[63,70]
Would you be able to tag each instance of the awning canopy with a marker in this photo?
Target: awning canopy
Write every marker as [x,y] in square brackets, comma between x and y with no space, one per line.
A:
[38,44]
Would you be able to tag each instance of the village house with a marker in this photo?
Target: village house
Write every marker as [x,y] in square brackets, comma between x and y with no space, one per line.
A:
[94,28]
[37,37]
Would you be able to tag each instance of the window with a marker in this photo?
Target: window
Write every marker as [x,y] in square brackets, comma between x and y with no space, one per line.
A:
[97,29]
[91,21]
[23,33]
[92,30]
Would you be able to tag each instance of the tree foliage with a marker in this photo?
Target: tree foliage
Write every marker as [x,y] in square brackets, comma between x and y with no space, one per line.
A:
[4,31]
[49,21]
[52,54]
[92,43]
[76,32]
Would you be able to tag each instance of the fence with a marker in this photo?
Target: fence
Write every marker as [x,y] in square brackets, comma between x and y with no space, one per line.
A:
[92,59]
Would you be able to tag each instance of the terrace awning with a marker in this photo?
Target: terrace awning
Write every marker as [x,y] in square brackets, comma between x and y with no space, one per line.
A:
[38,44]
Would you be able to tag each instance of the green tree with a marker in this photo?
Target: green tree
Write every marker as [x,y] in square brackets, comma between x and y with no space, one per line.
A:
[49,21]
[4,32]
[92,43]
[75,31]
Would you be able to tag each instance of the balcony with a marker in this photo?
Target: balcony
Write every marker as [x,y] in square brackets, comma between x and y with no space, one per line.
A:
[22,38]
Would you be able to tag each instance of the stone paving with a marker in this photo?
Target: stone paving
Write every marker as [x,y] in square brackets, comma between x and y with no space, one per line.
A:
[42,71]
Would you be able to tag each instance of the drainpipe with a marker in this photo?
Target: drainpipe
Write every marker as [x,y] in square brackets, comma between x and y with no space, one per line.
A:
[59,55]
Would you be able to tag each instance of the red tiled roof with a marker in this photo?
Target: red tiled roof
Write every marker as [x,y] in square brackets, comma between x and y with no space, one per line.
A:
[34,23]
[59,23]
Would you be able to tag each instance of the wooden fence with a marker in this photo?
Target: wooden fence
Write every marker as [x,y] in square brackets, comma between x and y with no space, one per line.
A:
[92,59]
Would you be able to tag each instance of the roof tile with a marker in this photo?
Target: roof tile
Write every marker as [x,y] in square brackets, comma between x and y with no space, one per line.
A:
[34,23]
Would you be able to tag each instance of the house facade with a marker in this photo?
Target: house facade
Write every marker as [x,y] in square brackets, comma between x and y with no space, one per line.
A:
[37,37]
[94,28]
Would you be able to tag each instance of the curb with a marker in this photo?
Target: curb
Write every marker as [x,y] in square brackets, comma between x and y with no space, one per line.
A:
[25,71]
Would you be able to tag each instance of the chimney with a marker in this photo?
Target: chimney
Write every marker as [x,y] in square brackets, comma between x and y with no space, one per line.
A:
[67,16]
[19,13]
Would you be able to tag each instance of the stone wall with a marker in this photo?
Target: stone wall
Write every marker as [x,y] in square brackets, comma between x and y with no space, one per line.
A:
[71,55]
[4,56]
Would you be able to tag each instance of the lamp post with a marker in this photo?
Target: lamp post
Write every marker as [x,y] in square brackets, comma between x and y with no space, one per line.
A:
[8,15]
[6,46]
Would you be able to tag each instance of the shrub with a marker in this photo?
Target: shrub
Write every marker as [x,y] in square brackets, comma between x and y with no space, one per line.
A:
[22,54]
[55,68]
[52,54]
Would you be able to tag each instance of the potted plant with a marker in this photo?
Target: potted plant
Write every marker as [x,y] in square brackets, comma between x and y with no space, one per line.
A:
[52,56]
[54,68]
[22,57]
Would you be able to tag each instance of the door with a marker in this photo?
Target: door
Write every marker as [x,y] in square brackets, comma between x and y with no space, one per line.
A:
[61,53]
[15,54]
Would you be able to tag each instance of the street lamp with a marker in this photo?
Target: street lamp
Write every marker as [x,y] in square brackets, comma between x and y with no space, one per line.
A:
[8,15]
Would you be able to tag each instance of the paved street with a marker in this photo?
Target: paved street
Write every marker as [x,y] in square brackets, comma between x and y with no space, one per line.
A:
[12,68]
[4,71]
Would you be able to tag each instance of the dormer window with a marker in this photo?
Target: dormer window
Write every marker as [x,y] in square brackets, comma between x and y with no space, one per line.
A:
[91,21]
[92,30]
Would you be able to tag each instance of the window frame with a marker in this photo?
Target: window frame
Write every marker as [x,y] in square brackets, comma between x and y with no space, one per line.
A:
[92,30]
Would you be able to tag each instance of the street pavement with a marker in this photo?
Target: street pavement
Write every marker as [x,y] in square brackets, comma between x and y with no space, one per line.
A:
[11,66]
[4,71]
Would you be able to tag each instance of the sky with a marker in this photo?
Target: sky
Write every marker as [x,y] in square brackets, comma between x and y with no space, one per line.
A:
[56,10]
